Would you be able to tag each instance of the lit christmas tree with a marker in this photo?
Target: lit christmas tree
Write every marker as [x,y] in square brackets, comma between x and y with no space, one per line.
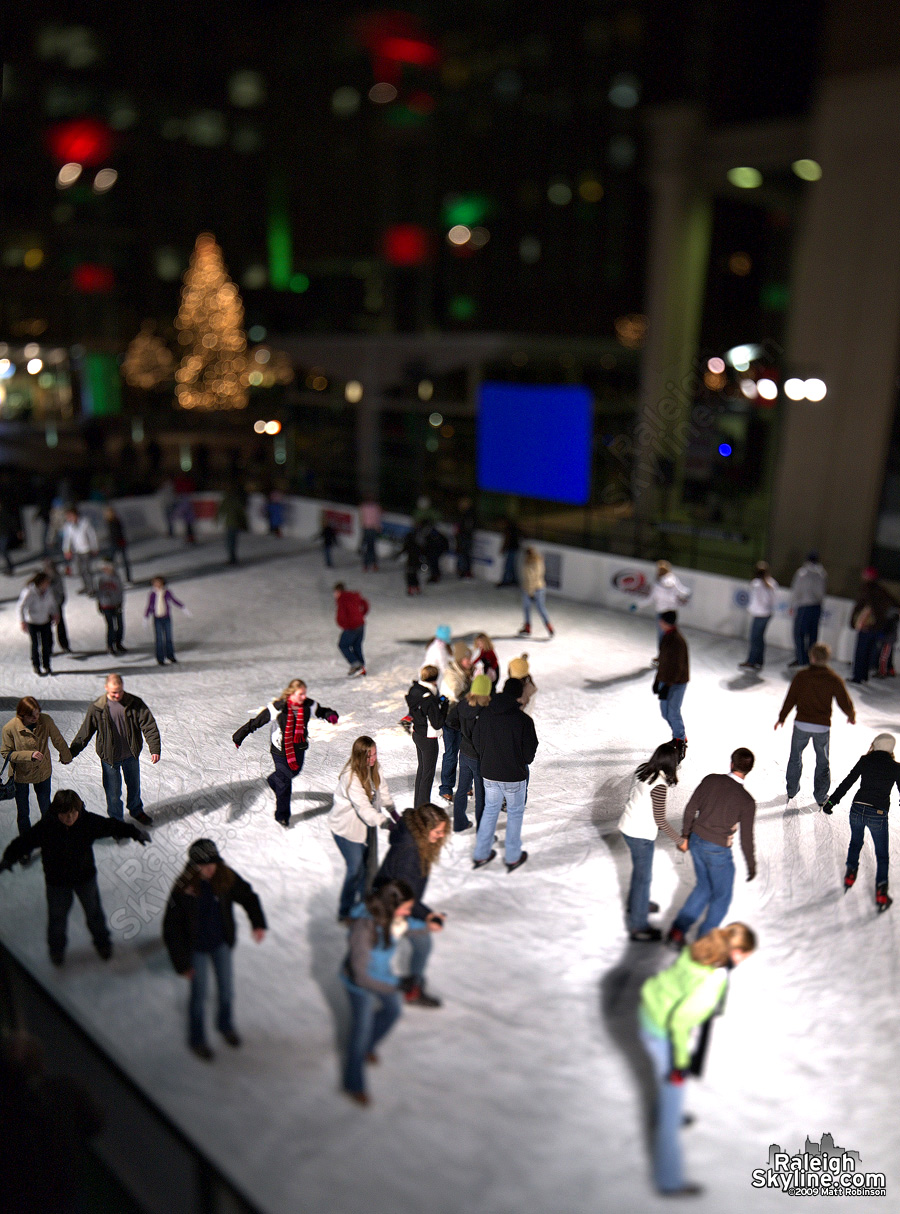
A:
[148,360]
[210,324]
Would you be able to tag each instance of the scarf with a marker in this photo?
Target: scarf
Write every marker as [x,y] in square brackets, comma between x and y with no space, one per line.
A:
[294,734]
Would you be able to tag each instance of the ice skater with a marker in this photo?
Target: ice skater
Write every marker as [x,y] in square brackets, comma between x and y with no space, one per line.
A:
[351,610]
[462,716]
[760,607]
[666,595]
[368,977]
[674,1003]
[484,659]
[412,549]
[159,604]
[534,590]
[672,677]
[79,540]
[519,668]
[808,588]
[453,686]
[110,599]
[362,804]
[871,613]
[66,835]
[58,587]
[289,717]
[26,746]
[506,742]
[328,536]
[718,806]
[438,653]
[878,773]
[642,820]
[414,850]
[428,710]
[199,930]
[812,692]
[36,612]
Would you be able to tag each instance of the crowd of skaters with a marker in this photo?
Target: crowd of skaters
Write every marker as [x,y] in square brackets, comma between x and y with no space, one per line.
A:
[489,744]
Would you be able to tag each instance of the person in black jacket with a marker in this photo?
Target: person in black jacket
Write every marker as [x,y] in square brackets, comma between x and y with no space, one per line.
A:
[199,929]
[878,772]
[415,847]
[462,716]
[428,709]
[505,741]
[66,837]
[288,740]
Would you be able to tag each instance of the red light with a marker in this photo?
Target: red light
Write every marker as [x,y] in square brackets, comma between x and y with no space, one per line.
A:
[406,244]
[92,279]
[84,140]
[408,50]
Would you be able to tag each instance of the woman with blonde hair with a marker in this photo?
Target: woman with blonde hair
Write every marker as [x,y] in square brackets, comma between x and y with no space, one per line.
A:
[415,848]
[289,717]
[26,746]
[673,1004]
[362,803]
[484,660]
[534,590]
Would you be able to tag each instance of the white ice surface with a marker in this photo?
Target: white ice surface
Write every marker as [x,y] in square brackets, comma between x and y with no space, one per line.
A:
[523,1093]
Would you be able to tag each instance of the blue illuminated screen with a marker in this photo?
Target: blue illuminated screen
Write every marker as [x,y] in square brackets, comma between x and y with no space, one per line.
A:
[535,440]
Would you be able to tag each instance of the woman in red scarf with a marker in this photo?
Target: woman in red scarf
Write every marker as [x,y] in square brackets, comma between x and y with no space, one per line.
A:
[289,717]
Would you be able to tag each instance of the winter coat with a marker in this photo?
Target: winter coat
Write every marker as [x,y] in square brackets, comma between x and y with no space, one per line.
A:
[808,585]
[504,739]
[20,741]
[879,772]
[353,813]
[484,661]
[139,725]
[534,575]
[168,599]
[673,659]
[67,852]
[679,998]
[181,920]
[880,604]
[455,682]
[762,597]
[36,606]
[438,654]
[276,713]
[427,709]
[79,537]
[110,592]
[368,962]
[462,716]
[403,863]
[351,610]
[668,593]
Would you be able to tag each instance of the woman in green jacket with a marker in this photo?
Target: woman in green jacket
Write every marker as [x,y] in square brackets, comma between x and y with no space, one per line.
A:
[673,1003]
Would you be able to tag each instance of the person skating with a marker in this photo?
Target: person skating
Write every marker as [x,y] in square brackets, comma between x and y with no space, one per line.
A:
[642,820]
[509,550]
[232,514]
[362,804]
[462,716]
[870,616]
[808,588]
[674,1003]
[465,538]
[289,717]
[534,590]
[438,653]
[428,709]
[760,607]
[484,659]
[519,668]
[110,598]
[122,723]
[199,931]
[66,835]
[412,549]
[719,806]
[672,677]
[368,977]
[118,544]
[878,773]
[351,610]
[505,741]
[666,595]
[79,540]
[812,692]
[26,745]
[58,587]
[370,520]
[36,612]
[159,608]
[434,545]
[415,848]
[453,686]
[328,536]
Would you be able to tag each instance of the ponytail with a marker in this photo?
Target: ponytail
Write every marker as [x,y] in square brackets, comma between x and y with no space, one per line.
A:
[715,948]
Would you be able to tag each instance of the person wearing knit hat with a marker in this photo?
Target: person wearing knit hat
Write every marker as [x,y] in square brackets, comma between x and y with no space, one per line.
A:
[454,684]
[199,930]
[519,669]
[439,652]
[877,772]
[462,717]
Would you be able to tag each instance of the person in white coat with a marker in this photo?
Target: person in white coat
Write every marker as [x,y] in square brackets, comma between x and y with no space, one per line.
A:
[439,652]
[644,816]
[362,803]
[36,612]
[667,593]
[79,540]
[761,608]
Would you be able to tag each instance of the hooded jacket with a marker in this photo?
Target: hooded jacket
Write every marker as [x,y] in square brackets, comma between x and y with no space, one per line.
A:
[20,741]
[67,852]
[139,725]
[276,713]
[181,921]
[427,709]
[505,740]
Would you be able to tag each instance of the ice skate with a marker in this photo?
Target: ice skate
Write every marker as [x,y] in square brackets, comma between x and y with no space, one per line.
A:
[524,631]
[849,879]
[882,899]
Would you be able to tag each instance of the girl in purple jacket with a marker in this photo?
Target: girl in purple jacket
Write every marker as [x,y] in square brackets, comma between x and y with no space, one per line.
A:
[158,608]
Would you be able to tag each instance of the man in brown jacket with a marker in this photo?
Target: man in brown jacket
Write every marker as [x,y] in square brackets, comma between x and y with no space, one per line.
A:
[26,744]
[672,675]
[812,692]
[718,806]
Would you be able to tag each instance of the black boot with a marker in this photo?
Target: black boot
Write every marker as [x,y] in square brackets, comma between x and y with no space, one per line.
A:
[882,898]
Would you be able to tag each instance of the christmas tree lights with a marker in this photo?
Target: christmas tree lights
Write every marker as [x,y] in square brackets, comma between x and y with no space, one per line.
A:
[148,361]
[210,324]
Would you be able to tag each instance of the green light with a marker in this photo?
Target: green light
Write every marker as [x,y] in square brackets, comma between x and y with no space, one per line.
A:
[101,385]
[745,179]
[775,296]
[807,170]
[465,209]
[401,116]
[462,307]
[280,243]
[299,283]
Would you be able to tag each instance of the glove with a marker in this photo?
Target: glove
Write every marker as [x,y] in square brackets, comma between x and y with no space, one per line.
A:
[827,808]
[751,876]
[5,866]
[332,718]
[143,837]
[677,1075]
[237,744]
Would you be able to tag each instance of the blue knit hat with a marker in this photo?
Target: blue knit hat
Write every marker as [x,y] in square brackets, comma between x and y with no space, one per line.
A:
[443,633]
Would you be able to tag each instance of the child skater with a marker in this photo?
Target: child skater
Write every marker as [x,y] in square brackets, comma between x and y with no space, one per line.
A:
[159,609]
[289,716]
[484,660]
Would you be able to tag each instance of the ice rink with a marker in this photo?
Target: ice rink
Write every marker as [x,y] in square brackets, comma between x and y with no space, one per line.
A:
[527,1091]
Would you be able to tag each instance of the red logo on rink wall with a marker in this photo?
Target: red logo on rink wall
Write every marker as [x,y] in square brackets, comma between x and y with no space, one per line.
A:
[630,581]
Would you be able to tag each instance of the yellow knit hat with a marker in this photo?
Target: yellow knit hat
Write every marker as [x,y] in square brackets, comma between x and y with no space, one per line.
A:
[518,667]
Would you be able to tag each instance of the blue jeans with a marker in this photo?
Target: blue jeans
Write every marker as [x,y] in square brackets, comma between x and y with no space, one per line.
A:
[130,768]
[220,958]
[668,1171]
[162,626]
[370,556]
[539,599]
[350,645]
[670,708]
[419,936]
[822,779]
[639,890]
[806,631]
[469,773]
[862,816]
[494,792]
[355,857]
[448,762]
[866,643]
[756,654]
[714,866]
[41,792]
[367,1028]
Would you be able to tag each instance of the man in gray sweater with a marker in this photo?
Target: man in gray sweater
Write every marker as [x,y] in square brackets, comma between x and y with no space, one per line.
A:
[718,806]
[807,596]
